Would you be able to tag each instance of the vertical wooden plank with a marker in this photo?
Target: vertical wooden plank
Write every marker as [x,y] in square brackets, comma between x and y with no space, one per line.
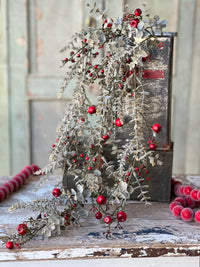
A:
[193,127]
[182,83]
[4,96]
[17,47]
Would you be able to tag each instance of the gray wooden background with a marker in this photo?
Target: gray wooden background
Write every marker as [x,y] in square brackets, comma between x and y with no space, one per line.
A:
[31,34]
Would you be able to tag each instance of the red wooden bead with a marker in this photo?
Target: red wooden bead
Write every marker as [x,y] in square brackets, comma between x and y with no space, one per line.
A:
[197,216]
[10,186]
[18,179]
[2,195]
[198,194]
[187,214]
[173,204]
[30,168]
[22,175]
[15,183]
[187,190]
[35,167]
[5,190]
[176,211]
[190,202]
[27,172]
[176,187]
[193,194]
[181,201]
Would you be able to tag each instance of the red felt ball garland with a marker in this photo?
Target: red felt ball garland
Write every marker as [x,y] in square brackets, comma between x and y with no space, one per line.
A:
[17,181]
[187,198]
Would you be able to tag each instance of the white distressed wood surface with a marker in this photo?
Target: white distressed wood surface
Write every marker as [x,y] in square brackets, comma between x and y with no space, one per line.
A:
[150,232]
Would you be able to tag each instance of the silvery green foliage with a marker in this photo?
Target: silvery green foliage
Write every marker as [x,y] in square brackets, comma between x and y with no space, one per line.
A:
[88,148]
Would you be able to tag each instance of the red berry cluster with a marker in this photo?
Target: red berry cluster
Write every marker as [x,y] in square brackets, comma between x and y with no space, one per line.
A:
[121,216]
[133,18]
[22,229]
[187,198]
[17,181]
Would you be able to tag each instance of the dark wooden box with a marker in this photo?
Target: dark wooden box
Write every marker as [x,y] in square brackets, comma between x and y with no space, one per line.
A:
[157,75]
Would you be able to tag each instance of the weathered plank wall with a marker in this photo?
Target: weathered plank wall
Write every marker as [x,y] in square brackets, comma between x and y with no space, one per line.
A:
[31,35]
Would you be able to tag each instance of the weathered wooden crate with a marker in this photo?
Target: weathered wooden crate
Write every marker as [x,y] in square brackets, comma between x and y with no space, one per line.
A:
[157,75]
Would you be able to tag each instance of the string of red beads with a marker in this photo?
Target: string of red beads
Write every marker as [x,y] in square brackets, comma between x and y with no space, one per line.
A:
[17,181]
[187,198]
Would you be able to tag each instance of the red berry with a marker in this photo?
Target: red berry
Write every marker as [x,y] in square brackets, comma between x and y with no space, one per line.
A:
[53,145]
[187,190]
[128,174]
[193,194]
[121,216]
[138,174]
[101,199]
[91,146]
[137,169]
[74,160]
[146,171]
[94,159]
[102,71]
[173,204]
[78,55]
[138,12]
[92,110]
[107,219]
[95,66]
[118,123]
[56,192]
[197,216]
[9,245]
[181,188]
[121,86]
[198,194]
[152,146]
[105,137]
[89,168]
[22,229]
[134,23]
[86,158]
[81,155]
[156,127]
[187,214]
[148,178]
[66,59]
[85,40]
[181,201]
[98,215]
[176,211]
[90,74]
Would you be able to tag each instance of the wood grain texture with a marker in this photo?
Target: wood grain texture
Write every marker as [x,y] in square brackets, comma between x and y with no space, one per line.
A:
[4,96]
[17,70]
[150,231]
